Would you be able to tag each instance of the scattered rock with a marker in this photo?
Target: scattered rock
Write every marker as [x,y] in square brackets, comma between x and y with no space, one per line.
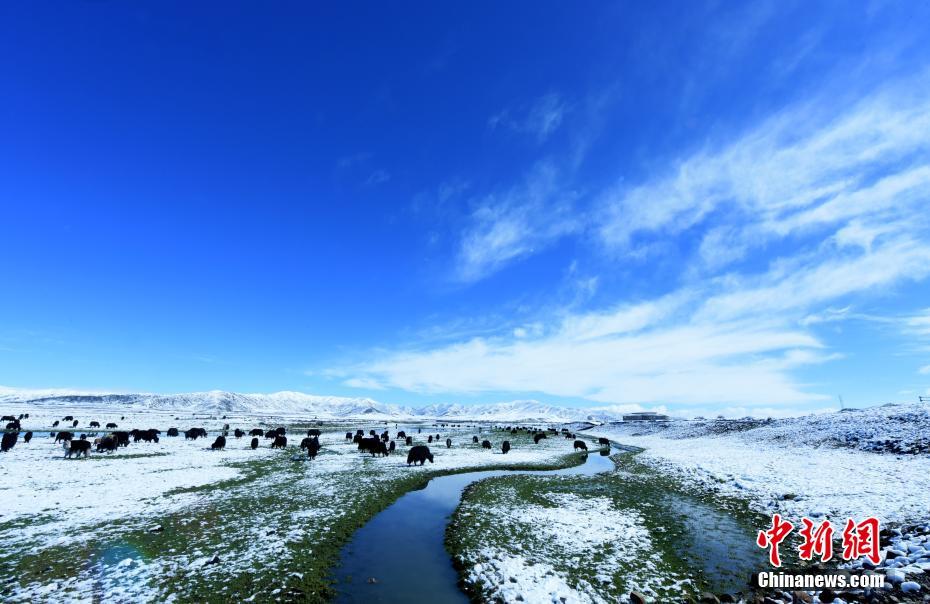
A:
[910,587]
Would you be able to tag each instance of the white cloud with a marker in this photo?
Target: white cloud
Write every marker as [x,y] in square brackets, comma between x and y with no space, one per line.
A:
[517,223]
[837,200]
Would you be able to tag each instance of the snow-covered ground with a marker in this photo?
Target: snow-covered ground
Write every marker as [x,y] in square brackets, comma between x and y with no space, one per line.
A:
[814,466]
[145,523]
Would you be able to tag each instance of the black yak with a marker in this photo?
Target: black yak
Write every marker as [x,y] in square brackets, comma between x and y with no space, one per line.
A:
[63,436]
[308,441]
[402,434]
[219,443]
[538,437]
[107,443]
[280,442]
[348,436]
[77,447]
[122,438]
[254,443]
[474,440]
[55,424]
[280,431]
[94,424]
[505,446]
[27,437]
[368,444]
[430,439]
[9,441]
[408,441]
[392,446]
[313,432]
[485,444]
[603,441]
[357,438]
[271,434]
[112,425]
[238,433]
[74,424]
[580,444]
[313,447]
[256,432]
[67,418]
[173,432]
[419,453]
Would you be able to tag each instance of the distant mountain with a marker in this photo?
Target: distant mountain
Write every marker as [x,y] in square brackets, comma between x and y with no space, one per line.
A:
[298,403]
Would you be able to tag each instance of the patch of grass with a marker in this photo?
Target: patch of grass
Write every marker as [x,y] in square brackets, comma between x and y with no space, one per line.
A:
[670,511]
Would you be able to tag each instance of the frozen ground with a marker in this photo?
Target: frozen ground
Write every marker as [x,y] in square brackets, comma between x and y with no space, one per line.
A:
[176,521]
[817,466]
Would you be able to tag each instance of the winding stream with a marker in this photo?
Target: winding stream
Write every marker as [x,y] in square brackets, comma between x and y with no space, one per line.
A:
[402,548]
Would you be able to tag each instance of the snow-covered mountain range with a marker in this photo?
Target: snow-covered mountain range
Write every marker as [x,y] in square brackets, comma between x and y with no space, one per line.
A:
[298,403]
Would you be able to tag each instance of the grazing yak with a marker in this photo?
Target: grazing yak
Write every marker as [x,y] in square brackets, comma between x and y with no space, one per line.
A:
[272,434]
[360,433]
[219,443]
[149,436]
[74,424]
[357,438]
[256,432]
[122,438]
[474,440]
[280,431]
[27,437]
[63,436]
[374,446]
[448,443]
[67,418]
[13,425]
[9,441]
[280,442]
[430,439]
[385,436]
[348,436]
[372,433]
[419,453]
[505,446]
[538,437]
[7,418]
[313,447]
[408,441]
[485,444]
[392,446]
[107,443]
[603,441]
[55,424]
[112,425]
[254,443]
[580,444]
[172,432]
[308,441]
[195,433]
[94,424]
[402,435]
[238,433]
[76,447]
[313,432]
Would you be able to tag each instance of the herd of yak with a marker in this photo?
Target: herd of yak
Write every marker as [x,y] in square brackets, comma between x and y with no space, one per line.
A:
[377,445]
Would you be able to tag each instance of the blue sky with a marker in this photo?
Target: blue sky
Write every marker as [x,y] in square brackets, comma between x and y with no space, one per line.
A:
[696,207]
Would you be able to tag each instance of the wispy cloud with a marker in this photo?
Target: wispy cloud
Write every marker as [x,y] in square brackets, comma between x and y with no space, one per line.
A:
[793,219]
[516,223]
[539,119]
